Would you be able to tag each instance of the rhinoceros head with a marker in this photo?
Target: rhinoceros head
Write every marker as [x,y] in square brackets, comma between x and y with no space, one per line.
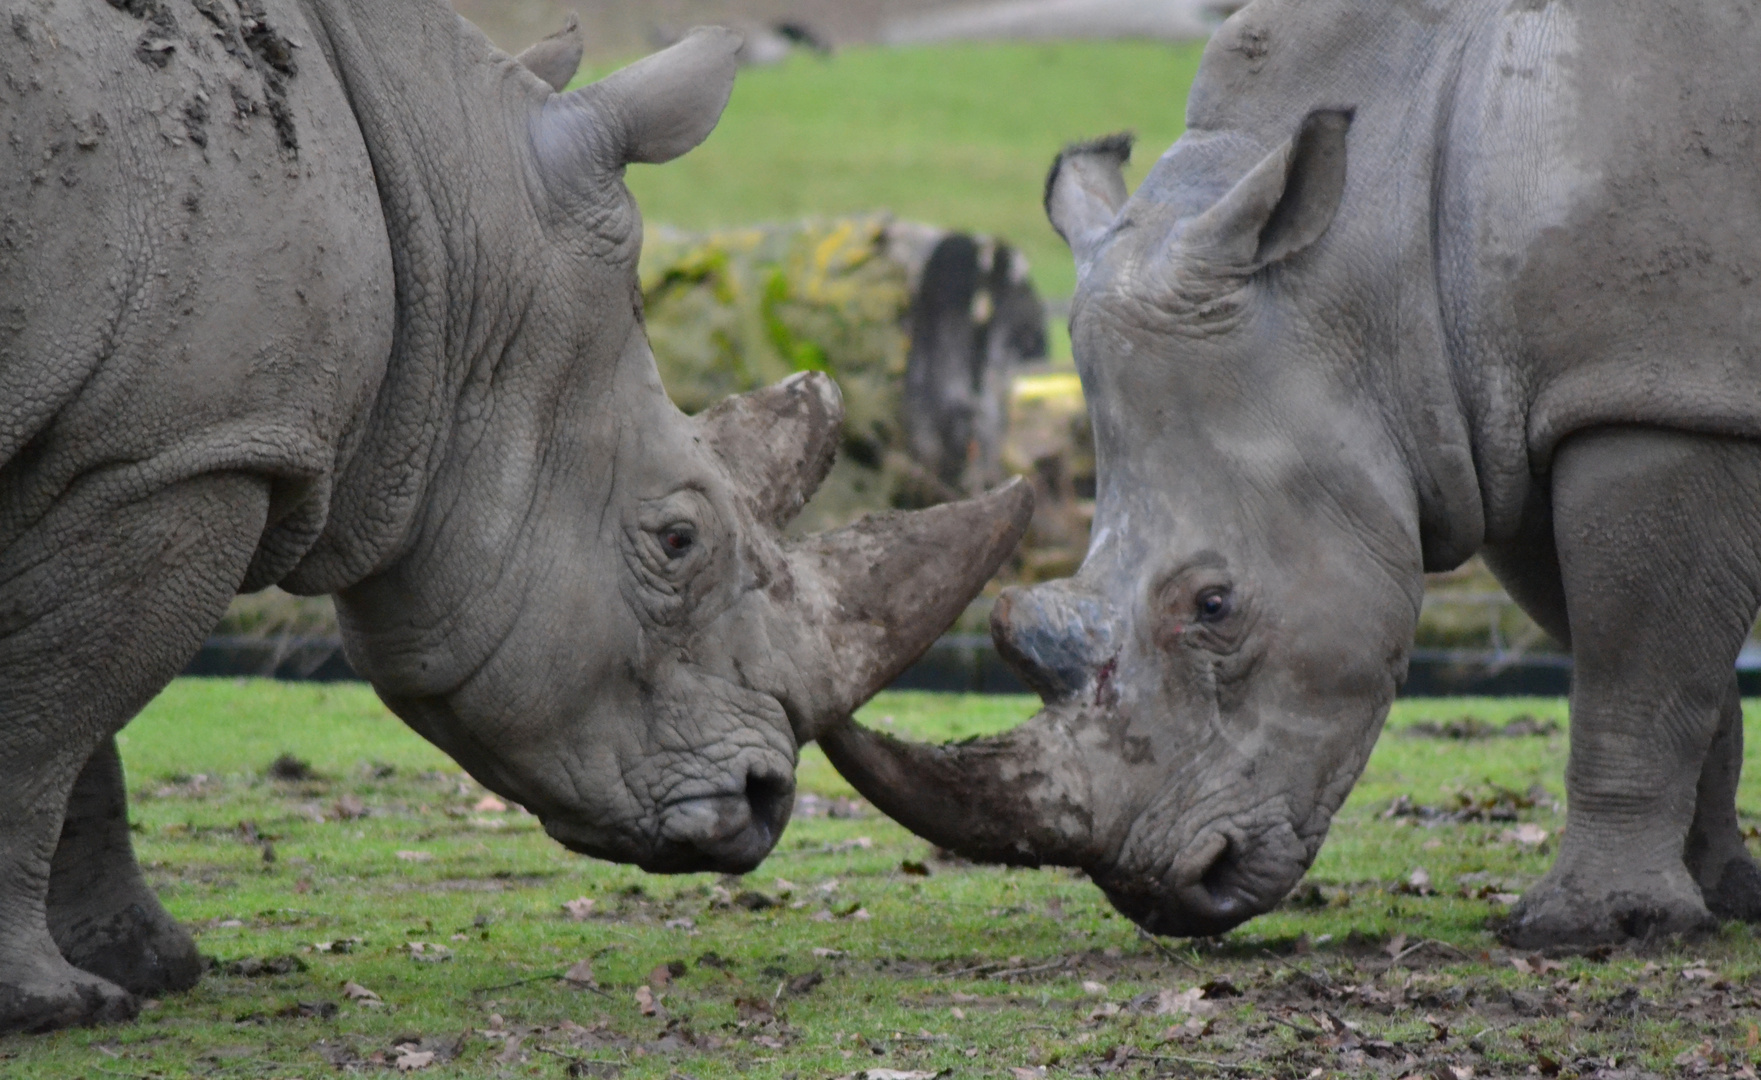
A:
[596,611]
[1215,674]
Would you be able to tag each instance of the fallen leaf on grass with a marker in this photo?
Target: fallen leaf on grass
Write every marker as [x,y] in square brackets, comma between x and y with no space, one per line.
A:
[1700,1057]
[510,1051]
[824,953]
[580,976]
[645,1001]
[1535,965]
[578,909]
[1698,972]
[1417,883]
[354,991]
[416,856]
[425,953]
[1193,1028]
[1094,989]
[489,804]
[1527,834]
[409,1060]
[1188,1002]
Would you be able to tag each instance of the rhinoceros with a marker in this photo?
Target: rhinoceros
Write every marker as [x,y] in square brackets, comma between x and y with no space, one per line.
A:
[1421,279]
[335,295]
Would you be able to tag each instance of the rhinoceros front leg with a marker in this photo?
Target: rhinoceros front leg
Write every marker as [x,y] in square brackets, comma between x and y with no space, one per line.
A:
[102,914]
[1657,536]
[101,604]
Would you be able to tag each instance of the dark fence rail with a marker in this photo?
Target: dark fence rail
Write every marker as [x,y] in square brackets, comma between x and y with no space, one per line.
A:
[967,663]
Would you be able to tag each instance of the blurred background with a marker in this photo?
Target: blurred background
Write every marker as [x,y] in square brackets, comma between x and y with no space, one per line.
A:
[870,206]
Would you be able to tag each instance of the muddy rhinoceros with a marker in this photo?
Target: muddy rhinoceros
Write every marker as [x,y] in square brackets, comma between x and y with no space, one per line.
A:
[1421,279]
[332,294]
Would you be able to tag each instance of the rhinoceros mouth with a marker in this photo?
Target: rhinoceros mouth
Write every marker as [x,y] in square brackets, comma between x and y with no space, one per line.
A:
[727,832]
[1219,881]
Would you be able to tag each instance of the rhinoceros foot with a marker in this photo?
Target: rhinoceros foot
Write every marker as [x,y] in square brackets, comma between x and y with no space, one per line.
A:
[138,947]
[1737,892]
[61,996]
[1563,916]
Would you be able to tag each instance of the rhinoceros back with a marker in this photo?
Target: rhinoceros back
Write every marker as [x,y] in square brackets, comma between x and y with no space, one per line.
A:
[194,272]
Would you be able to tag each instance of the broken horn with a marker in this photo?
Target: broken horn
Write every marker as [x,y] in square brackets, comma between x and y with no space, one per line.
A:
[1022,798]
[778,441]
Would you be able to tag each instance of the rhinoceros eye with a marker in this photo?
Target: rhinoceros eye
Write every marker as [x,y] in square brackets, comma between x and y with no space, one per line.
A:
[1213,605]
[677,540]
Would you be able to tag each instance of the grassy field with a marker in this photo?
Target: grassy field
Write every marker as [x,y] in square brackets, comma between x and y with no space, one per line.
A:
[956,135]
[855,947]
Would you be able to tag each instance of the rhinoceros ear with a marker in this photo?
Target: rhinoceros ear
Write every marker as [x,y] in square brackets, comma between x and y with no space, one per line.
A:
[1282,205]
[557,57]
[1085,190]
[650,112]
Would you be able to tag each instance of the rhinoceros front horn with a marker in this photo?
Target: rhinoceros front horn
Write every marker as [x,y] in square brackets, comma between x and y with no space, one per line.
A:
[891,583]
[1023,798]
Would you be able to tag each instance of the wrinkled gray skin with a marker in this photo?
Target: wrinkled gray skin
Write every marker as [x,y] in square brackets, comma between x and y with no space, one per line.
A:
[1421,280]
[333,294]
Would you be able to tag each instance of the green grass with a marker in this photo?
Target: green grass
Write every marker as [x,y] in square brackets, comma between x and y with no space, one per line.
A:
[974,969]
[955,135]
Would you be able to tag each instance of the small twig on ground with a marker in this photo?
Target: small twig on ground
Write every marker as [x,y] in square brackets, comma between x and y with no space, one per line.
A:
[1227,1065]
[1303,1030]
[980,969]
[1416,946]
[1010,973]
[538,979]
[1320,980]
[1145,935]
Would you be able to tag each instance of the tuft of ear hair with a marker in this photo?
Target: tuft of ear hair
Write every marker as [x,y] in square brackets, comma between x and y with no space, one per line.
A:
[1085,189]
[558,56]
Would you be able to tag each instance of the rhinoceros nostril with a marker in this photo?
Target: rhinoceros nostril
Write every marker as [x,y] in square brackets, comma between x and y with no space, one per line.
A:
[771,800]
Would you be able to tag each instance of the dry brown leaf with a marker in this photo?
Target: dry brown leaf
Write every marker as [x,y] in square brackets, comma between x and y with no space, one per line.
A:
[354,991]
[1188,1002]
[580,976]
[409,1060]
[578,909]
[1528,834]
[645,1001]
[489,804]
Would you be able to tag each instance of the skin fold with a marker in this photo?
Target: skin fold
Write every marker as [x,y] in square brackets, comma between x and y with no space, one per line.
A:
[335,295]
[1420,280]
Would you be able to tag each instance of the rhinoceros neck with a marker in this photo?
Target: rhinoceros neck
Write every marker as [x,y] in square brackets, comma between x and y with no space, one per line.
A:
[1378,270]
[437,108]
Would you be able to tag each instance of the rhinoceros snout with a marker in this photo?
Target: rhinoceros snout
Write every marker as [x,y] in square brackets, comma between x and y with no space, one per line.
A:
[1057,635]
[730,833]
